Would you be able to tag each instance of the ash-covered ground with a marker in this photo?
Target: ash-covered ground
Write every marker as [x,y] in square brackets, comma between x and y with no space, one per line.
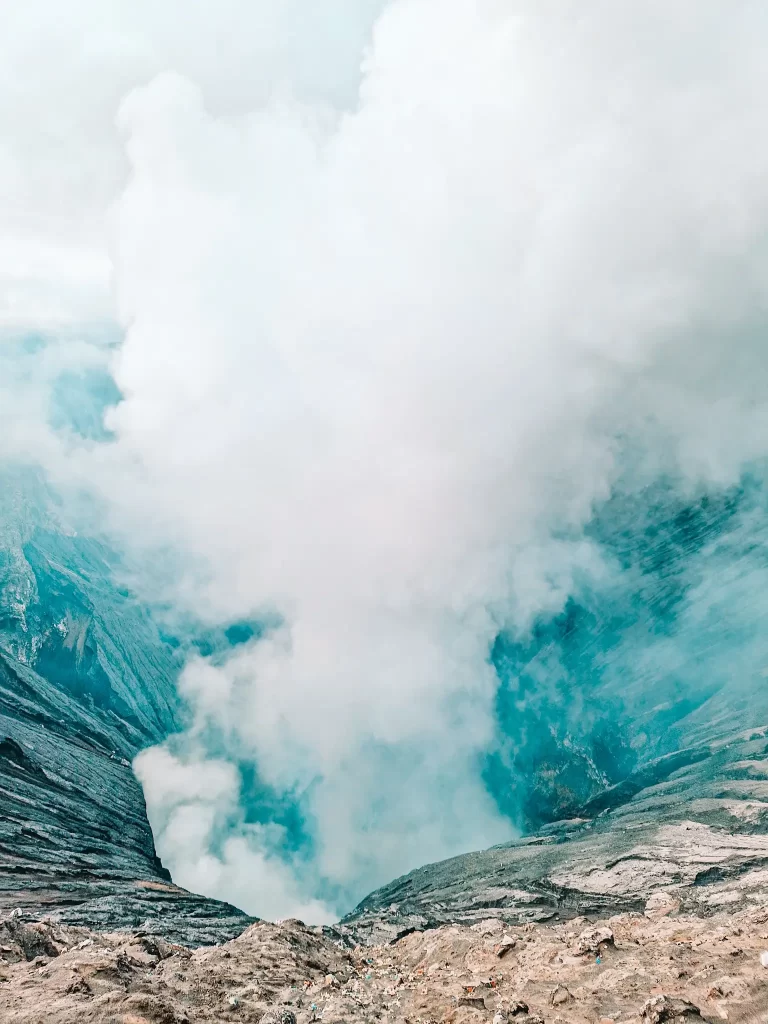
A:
[641,968]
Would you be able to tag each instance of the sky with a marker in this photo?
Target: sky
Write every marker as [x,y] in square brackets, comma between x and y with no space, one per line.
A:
[398,296]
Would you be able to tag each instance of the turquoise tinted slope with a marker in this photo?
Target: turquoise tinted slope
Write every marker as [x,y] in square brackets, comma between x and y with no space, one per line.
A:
[85,683]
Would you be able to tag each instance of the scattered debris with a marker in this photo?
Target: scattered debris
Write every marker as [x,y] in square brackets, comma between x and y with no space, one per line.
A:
[292,974]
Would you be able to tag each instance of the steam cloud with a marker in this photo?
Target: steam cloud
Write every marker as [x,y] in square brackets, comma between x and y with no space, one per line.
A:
[387,347]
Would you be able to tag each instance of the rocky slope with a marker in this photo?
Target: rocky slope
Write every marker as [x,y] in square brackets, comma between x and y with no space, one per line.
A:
[85,683]
[630,968]
[690,829]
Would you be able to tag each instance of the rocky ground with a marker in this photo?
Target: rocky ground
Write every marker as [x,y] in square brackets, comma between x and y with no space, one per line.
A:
[633,968]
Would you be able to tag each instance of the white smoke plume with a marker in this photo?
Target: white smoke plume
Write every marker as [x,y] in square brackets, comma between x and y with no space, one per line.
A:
[384,352]
[65,68]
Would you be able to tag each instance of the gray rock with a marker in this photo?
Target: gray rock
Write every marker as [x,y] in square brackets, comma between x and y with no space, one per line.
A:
[475,1001]
[85,683]
[75,842]
[689,831]
[593,940]
[279,1016]
[665,1010]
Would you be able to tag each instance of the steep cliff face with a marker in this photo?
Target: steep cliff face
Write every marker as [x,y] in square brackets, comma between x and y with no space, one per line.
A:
[74,835]
[85,683]
[63,615]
